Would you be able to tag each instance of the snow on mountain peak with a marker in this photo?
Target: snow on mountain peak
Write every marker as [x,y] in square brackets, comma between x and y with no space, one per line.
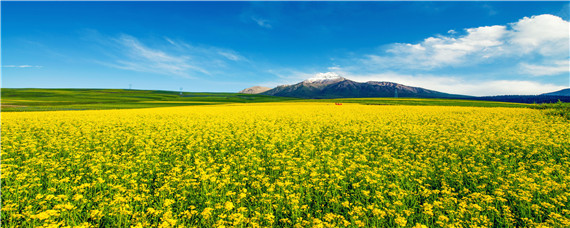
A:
[328,76]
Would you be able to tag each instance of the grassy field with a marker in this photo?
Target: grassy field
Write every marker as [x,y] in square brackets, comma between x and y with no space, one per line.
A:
[286,164]
[555,109]
[98,99]
[428,101]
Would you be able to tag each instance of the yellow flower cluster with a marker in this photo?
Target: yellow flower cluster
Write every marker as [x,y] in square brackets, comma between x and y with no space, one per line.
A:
[286,165]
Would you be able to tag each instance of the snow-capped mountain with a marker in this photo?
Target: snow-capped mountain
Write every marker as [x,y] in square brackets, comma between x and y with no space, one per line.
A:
[332,85]
[324,78]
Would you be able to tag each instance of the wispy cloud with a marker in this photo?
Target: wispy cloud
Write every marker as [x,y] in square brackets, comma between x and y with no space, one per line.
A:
[171,57]
[22,66]
[230,56]
[490,9]
[141,58]
[556,68]
[206,51]
[263,14]
[261,22]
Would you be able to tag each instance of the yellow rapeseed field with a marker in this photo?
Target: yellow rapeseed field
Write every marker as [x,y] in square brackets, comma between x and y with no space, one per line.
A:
[286,165]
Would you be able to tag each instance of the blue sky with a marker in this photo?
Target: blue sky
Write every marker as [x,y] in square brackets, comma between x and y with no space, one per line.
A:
[475,48]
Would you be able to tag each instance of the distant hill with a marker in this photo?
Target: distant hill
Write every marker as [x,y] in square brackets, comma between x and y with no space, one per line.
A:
[529,99]
[552,97]
[333,86]
[255,90]
[39,99]
[22,99]
[562,92]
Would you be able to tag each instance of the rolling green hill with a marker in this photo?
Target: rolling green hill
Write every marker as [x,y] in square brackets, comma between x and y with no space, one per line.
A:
[86,99]
[15,100]
[428,101]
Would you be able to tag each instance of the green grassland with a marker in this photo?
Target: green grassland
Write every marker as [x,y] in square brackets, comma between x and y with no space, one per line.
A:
[429,101]
[93,99]
[90,99]
[555,109]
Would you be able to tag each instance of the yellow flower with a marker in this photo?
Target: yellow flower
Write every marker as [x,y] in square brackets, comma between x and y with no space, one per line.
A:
[235,165]
[168,202]
[207,213]
[229,206]
[401,221]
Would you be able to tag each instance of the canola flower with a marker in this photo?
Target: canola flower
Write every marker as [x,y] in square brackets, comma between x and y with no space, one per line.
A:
[286,165]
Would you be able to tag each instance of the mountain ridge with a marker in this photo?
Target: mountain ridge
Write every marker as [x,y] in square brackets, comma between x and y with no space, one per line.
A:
[334,86]
[562,92]
[255,90]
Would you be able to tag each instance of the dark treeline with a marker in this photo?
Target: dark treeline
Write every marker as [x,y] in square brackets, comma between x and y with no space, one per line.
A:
[539,99]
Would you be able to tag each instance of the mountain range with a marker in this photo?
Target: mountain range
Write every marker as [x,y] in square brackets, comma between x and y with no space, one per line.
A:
[331,85]
[562,92]
[334,86]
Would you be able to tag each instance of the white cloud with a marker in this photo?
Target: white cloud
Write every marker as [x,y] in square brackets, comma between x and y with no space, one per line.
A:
[21,66]
[261,22]
[559,67]
[546,35]
[435,52]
